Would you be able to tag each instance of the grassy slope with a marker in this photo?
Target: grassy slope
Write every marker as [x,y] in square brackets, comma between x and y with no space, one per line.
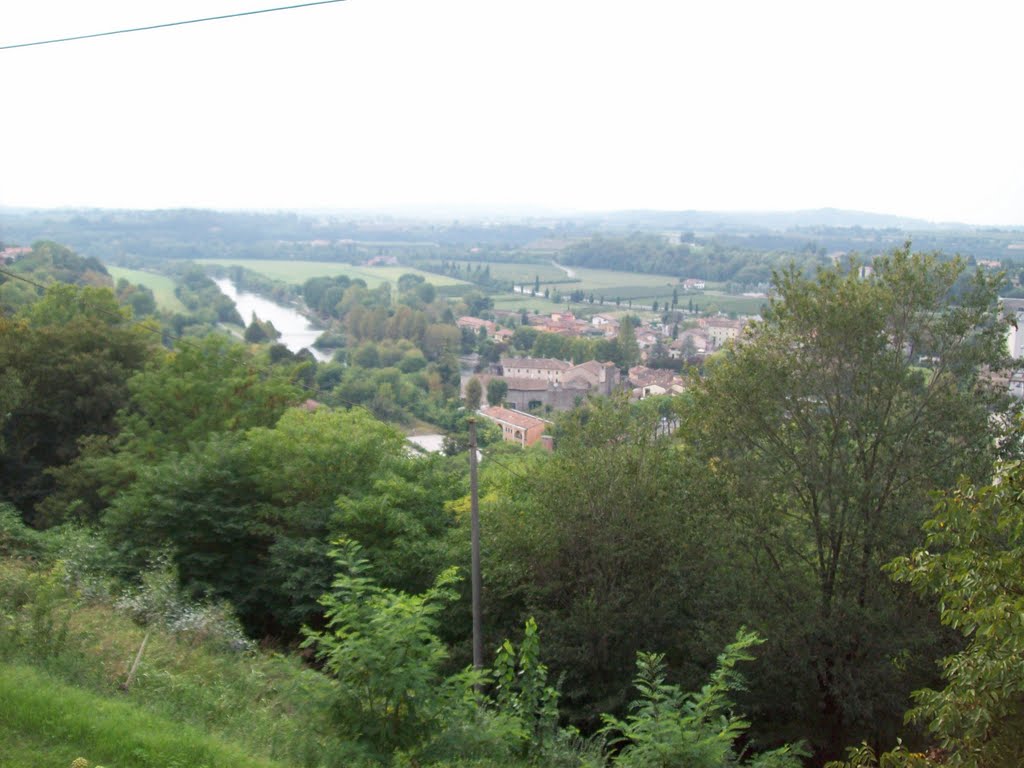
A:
[161,286]
[297,272]
[46,722]
[249,704]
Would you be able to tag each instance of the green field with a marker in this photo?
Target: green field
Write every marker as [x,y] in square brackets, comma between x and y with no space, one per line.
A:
[45,721]
[161,286]
[516,303]
[642,290]
[298,272]
[519,272]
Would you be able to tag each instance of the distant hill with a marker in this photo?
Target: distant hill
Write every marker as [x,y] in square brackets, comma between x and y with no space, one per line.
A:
[734,221]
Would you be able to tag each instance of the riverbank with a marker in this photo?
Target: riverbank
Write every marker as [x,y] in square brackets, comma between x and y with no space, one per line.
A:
[297,332]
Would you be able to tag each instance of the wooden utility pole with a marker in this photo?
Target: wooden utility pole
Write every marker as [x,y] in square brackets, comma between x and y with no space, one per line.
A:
[474,511]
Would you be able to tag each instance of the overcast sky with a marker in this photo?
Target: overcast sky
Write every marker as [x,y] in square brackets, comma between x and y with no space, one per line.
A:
[911,108]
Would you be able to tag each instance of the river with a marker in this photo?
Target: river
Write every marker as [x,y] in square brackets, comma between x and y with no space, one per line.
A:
[295,329]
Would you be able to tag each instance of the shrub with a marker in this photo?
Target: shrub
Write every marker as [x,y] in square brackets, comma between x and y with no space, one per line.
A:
[158,600]
[667,727]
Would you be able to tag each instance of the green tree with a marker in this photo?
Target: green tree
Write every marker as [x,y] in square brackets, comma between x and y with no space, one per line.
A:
[203,387]
[260,331]
[628,353]
[247,516]
[496,391]
[67,358]
[181,399]
[383,647]
[668,728]
[972,560]
[827,430]
[474,392]
[569,540]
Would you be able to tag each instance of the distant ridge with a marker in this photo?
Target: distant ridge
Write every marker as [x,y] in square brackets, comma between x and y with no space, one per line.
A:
[612,220]
[773,220]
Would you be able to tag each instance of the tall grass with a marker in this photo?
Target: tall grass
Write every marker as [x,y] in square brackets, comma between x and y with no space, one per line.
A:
[268,704]
[61,722]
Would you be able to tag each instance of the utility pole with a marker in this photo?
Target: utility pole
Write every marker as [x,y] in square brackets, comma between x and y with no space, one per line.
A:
[474,507]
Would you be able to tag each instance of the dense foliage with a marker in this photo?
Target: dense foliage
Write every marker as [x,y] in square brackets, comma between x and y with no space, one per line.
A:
[66,360]
[972,560]
[187,485]
[711,261]
[827,432]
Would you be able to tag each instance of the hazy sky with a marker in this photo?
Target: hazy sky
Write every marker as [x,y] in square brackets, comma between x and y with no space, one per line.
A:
[912,108]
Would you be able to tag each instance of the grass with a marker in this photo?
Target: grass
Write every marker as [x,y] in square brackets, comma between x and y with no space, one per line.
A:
[298,272]
[515,302]
[64,693]
[46,722]
[741,305]
[640,289]
[520,272]
[161,286]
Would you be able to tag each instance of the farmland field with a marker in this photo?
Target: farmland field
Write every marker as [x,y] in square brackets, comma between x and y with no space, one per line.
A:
[632,290]
[611,284]
[710,301]
[515,302]
[298,272]
[520,272]
[161,286]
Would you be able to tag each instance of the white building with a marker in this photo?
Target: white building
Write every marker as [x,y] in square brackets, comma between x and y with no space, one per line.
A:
[1015,335]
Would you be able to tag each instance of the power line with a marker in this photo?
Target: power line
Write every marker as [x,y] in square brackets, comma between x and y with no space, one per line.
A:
[169,24]
[101,310]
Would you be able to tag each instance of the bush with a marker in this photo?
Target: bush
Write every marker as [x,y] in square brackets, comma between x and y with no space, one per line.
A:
[667,727]
[158,601]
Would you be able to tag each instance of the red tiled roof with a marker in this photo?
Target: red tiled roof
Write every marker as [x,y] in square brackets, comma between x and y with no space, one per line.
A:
[515,418]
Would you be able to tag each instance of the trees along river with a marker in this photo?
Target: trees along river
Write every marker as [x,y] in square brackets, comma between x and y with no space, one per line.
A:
[295,329]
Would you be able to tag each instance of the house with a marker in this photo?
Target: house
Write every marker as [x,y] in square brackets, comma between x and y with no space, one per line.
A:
[562,323]
[720,330]
[1015,384]
[645,382]
[692,341]
[646,339]
[11,254]
[475,324]
[543,368]
[1014,311]
[516,427]
[693,284]
[597,376]
[555,384]
[382,261]
[606,324]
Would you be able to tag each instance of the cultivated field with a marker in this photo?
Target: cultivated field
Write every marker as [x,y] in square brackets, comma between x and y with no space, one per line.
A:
[161,286]
[632,290]
[298,272]
[519,272]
